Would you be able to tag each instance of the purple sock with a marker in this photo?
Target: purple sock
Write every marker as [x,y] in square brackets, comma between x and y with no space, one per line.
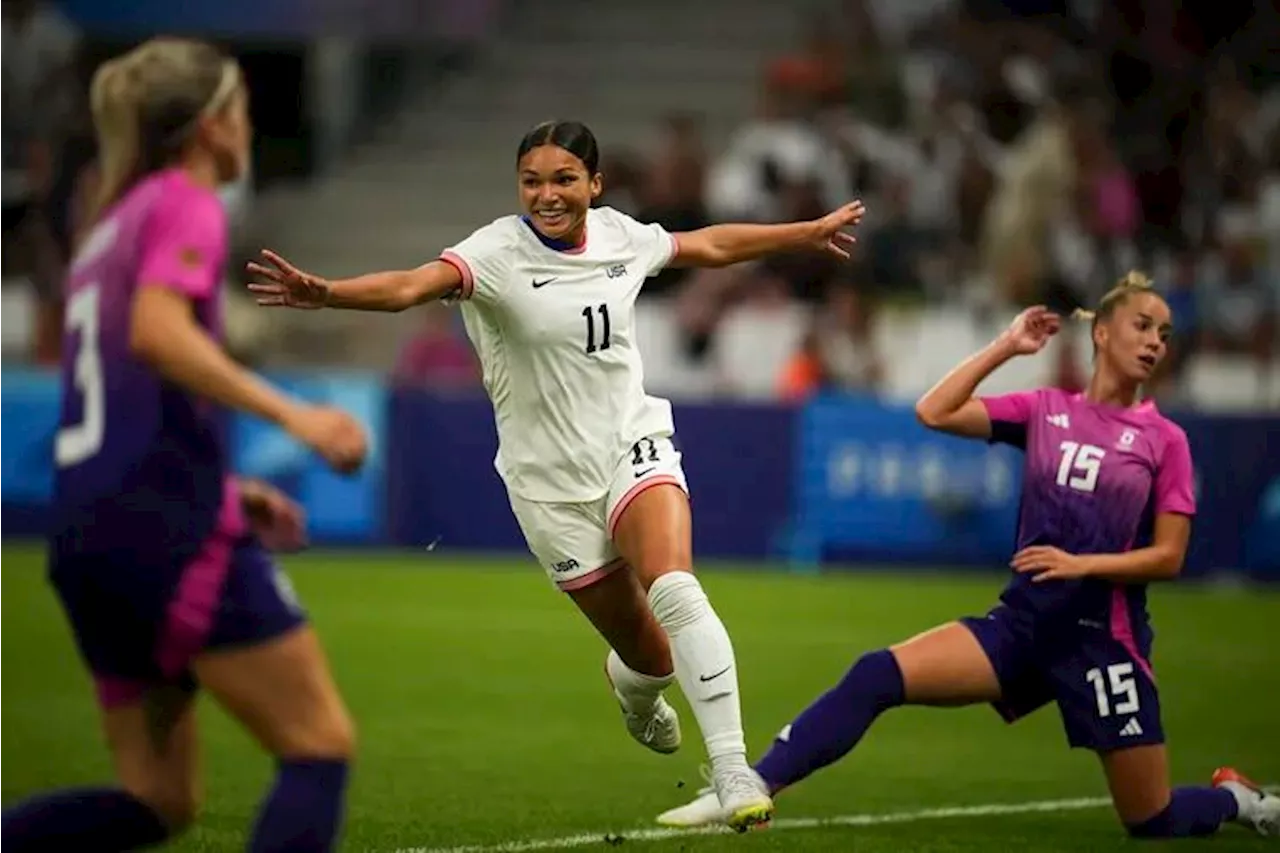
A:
[1191,812]
[304,810]
[833,724]
[107,819]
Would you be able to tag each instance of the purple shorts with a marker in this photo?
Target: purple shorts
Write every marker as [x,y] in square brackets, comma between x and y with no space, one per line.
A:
[138,627]
[1098,675]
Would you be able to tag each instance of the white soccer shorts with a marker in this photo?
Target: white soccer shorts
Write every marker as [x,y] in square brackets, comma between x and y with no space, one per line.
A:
[574,541]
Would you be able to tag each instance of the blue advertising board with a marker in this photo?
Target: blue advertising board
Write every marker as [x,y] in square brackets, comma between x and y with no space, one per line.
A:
[339,508]
[841,479]
[872,483]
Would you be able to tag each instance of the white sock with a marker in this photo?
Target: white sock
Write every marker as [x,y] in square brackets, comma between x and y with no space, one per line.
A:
[704,663]
[636,691]
[1246,799]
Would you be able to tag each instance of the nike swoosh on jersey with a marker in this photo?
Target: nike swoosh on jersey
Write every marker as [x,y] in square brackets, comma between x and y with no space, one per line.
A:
[543,283]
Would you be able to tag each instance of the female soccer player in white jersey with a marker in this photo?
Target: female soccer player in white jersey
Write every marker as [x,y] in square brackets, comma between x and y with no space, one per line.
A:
[587,457]
[155,549]
[1106,508]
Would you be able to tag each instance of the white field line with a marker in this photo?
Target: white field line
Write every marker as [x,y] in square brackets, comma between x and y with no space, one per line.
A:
[588,839]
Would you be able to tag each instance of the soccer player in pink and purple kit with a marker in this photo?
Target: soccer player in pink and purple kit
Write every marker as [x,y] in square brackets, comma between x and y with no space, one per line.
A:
[155,549]
[1106,508]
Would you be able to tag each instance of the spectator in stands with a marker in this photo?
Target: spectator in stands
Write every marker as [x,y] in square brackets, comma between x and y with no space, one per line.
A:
[839,351]
[1034,193]
[436,355]
[895,246]
[624,181]
[1239,304]
[672,189]
[780,147]
[39,94]
[1179,287]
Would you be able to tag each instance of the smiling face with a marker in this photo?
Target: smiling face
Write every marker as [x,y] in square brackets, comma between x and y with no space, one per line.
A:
[1134,338]
[556,190]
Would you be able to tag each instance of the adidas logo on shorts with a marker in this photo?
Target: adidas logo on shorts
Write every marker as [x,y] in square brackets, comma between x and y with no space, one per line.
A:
[1131,728]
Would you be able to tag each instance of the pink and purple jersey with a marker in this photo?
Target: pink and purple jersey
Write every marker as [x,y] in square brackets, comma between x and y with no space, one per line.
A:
[140,462]
[1094,479]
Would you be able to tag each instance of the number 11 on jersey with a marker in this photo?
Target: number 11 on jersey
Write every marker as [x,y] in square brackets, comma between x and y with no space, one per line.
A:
[590,314]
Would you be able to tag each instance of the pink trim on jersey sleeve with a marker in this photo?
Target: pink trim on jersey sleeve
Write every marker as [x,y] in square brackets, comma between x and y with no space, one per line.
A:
[1017,408]
[1175,477]
[460,264]
[673,250]
[184,241]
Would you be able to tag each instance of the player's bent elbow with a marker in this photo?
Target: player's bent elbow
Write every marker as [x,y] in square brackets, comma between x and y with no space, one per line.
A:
[1172,565]
[929,417]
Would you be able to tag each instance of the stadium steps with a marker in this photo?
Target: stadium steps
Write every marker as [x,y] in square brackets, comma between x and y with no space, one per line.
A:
[443,165]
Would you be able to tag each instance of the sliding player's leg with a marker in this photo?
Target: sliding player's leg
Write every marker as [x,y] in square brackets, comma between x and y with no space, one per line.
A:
[1107,695]
[954,664]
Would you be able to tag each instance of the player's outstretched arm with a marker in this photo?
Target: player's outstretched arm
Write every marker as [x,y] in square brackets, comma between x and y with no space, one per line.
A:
[732,243]
[279,284]
[165,333]
[950,405]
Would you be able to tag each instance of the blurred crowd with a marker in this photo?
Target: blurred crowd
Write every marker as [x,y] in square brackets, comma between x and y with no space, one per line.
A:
[1008,153]
[1004,162]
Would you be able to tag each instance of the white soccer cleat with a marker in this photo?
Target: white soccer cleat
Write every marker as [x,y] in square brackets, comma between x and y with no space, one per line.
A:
[704,811]
[1258,809]
[659,731]
[743,803]
[744,797]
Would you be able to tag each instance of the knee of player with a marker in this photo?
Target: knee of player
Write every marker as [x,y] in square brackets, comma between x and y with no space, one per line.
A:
[878,675]
[677,600]
[330,736]
[1159,825]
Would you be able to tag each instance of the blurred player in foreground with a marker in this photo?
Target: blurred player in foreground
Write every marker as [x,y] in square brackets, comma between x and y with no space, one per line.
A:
[1106,508]
[587,457]
[154,549]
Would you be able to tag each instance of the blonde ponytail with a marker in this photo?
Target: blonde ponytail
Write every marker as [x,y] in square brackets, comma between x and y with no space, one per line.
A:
[115,101]
[1135,280]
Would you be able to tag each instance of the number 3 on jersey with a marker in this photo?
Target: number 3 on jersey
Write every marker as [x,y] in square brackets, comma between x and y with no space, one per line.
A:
[74,444]
[1079,466]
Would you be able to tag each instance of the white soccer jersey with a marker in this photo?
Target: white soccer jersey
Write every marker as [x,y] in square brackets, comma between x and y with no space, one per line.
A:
[555,333]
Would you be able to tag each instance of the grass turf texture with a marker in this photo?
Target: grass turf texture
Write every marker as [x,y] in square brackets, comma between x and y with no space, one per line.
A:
[484,717]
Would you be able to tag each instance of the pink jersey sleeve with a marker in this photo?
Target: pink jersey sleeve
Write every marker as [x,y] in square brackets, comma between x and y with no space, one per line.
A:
[184,241]
[1175,478]
[1016,408]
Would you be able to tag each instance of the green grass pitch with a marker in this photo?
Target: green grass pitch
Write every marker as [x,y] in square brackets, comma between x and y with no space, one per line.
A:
[484,718]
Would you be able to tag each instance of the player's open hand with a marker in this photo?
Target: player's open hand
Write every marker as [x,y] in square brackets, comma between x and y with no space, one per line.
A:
[1031,330]
[1049,563]
[829,233]
[279,284]
[333,434]
[279,522]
